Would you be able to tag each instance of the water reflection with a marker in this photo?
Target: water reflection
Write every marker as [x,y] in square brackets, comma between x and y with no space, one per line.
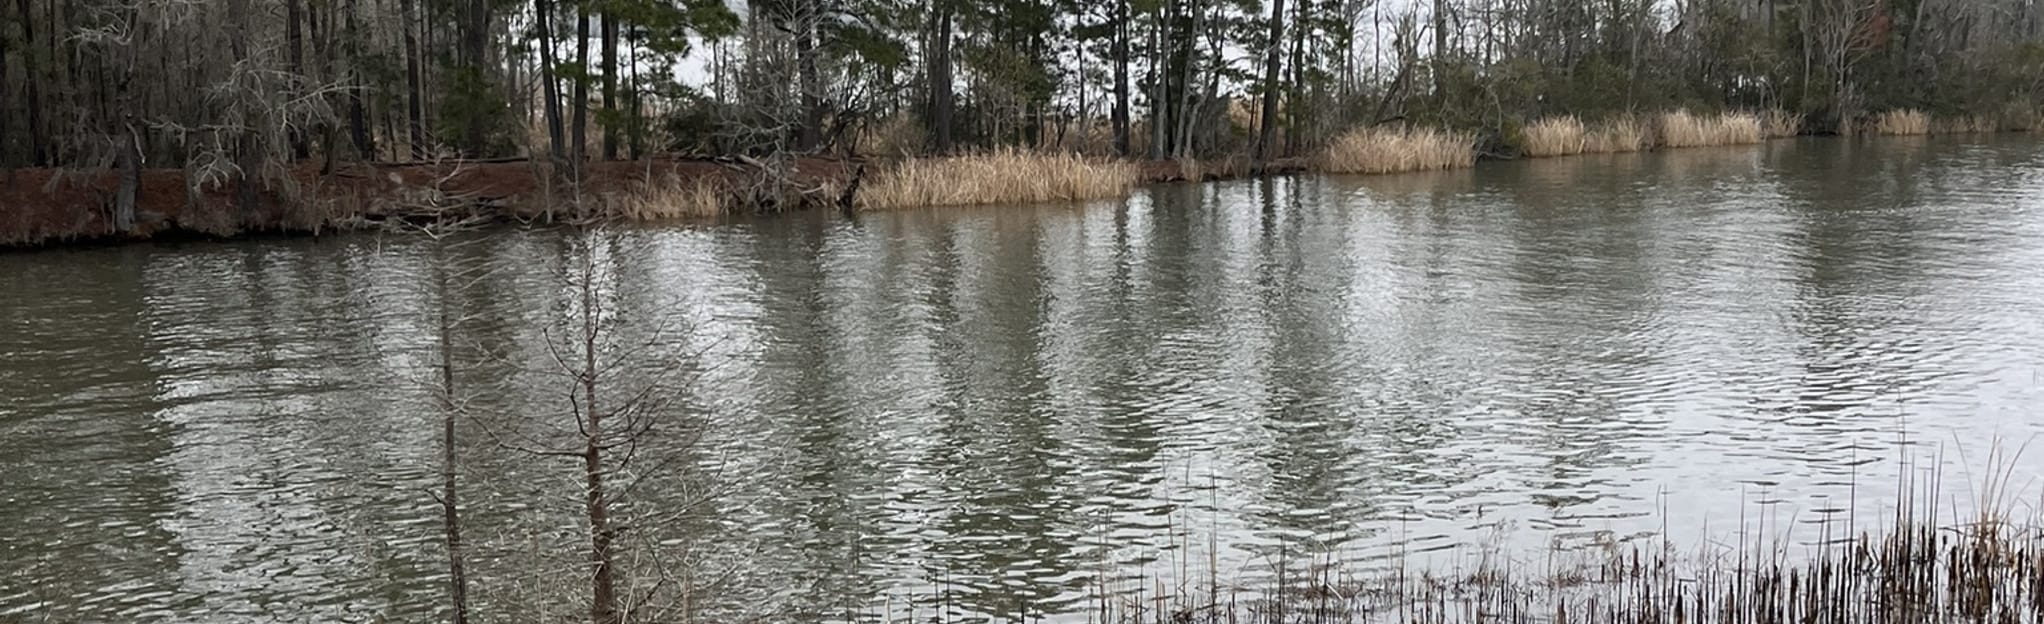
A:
[989,413]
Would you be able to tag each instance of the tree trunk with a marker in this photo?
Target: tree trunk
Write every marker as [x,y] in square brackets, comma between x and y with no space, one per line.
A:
[7,150]
[632,99]
[603,586]
[294,43]
[415,118]
[550,89]
[358,115]
[475,61]
[1160,101]
[1440,18]
[1121,94]
[246,149]
[1271,71]
[578,150]
[1182,146]
[940,81]
[37,154]
[129,159]
[450,509]
[811,133]
[610,115]
[1300,98]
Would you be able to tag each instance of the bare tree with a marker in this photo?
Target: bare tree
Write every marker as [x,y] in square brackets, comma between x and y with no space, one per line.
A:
[447,273]
[617,428]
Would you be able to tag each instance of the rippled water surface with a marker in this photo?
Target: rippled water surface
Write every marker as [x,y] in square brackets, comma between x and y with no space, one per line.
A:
[994,412]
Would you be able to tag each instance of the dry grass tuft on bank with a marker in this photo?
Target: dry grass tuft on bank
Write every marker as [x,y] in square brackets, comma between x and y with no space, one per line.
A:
[1555,136]
[1393,150]
[998,177]
[1618,134]
[1906,122]
[1781,124]
[1684,129]
[1566,135]
[667,199]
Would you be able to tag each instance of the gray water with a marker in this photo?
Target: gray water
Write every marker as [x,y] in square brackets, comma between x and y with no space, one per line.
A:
[1003,412]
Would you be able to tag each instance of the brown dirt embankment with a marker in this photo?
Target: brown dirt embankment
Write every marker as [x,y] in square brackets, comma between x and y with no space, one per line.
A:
[40,207]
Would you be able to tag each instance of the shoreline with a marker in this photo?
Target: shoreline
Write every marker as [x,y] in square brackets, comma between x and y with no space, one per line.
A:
[46,208]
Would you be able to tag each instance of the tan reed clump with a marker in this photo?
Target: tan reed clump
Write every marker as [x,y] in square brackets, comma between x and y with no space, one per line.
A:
[1684,129]
[1903,122]
[1392,150]
[671,198]
[997,177]
[1555,136]
[1619,134]
[1781,123]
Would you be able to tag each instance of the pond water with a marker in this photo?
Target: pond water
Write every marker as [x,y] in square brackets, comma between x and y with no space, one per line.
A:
[1001,412]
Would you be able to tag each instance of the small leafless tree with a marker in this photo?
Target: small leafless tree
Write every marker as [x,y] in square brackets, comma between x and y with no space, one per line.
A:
[447,273]
[618,427]
[450,273]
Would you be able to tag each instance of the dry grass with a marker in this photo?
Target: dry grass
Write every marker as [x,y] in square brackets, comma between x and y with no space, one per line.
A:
[666,200]
[1559,136]
[1781,123]
[1555,136]
[1392,150]
[999,177]
[1618,134]
[1683,129]
[1900,123]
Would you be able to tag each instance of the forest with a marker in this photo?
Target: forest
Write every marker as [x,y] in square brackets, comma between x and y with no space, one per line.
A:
[242,96]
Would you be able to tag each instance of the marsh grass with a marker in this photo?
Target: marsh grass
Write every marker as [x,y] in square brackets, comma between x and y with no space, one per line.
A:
[1555,136]
[1393,150]
[1618,134]
[1781,124]
[1684,129]
[1564,136]
[1982,566]
[667,199]
[1903,122]
[998,177]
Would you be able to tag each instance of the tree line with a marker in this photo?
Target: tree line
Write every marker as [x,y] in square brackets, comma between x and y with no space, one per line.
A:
[242,89]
